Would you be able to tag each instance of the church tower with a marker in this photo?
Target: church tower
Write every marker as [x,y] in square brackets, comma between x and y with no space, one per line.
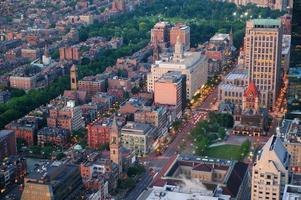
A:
[179,50]
[73,77]
[46,59]
[156,50]
[115,145]
[250,99]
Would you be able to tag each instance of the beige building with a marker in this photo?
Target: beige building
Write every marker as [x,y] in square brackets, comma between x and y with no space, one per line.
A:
[270,171]
[262,49]
[191,64]
[137,137]
[233,86]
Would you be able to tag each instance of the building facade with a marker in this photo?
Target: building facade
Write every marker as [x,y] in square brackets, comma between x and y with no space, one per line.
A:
[137,137]
[191,64]
[271,171]
[7,143]
[262,49]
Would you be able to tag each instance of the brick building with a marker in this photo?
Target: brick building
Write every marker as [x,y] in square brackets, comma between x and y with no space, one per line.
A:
[25,128]
[54,135]
[183,32]
[70,53]
[67,116]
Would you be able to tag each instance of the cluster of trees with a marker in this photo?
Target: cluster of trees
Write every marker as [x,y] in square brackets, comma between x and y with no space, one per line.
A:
[206,132]
[19,106]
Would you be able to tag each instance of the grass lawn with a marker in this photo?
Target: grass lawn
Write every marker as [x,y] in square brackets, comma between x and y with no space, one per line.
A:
[230,152]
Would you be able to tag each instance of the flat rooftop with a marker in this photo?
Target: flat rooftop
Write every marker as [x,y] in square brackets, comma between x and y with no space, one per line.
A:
[266,23]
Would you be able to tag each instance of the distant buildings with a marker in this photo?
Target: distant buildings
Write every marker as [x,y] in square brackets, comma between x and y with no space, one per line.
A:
[191,64]
[52,180]
[70,53]
[181,31]
[275,5]
[160,34]
[262,48]
[7,143]
[271,171]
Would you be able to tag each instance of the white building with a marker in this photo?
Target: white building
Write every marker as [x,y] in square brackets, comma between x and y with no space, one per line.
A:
[271,171]
[191,64]
[292,192]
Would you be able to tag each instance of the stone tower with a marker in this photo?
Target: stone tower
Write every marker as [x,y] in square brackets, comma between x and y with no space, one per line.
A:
[179,50]
[115,145]
[73,77]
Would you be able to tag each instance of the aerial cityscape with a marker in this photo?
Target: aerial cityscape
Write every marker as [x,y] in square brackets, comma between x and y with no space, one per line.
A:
[150,100]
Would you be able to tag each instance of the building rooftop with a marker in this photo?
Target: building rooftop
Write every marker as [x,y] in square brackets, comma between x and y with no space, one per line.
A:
[136,128]
[234,172]
[231,87]
[219,37]
[238,74]
[189,61]
[170,77]
[51,172]
[292,192]
[266,23]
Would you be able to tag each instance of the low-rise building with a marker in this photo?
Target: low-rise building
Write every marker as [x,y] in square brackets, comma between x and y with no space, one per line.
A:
[138,137]
[205,176]
[52,180]
[66,116]
[92,84]
[25,129]
[54,135]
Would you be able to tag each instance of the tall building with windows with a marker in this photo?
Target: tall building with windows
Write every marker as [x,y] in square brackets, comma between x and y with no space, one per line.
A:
[193,65]
[262,48]
[270,171]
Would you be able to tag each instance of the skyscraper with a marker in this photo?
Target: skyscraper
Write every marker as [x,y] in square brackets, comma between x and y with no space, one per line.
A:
[262,48]
[270,171]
